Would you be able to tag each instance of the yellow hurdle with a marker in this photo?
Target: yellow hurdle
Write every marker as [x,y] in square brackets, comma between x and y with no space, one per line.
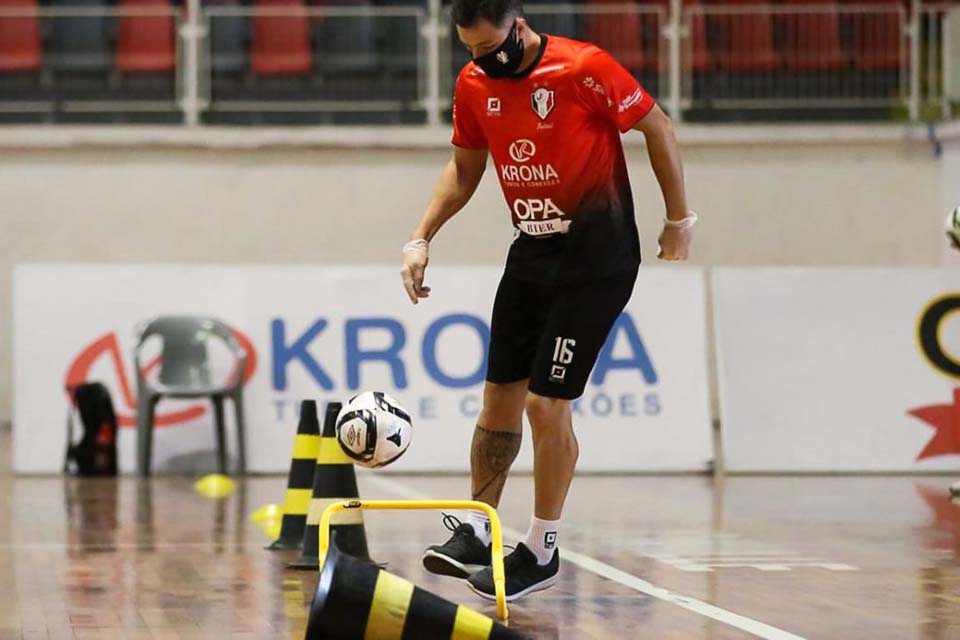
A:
[496,532]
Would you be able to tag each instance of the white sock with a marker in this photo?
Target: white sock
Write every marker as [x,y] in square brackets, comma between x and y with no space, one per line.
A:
[481,525]
[542,538]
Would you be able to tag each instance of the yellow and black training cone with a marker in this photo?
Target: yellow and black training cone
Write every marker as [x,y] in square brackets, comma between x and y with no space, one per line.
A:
[299,483]
[334,480]
[356,600]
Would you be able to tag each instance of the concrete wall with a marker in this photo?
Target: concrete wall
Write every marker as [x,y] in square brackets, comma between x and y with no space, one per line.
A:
[766,198]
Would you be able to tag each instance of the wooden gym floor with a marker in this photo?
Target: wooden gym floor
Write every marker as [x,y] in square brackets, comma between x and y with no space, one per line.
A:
[644,557]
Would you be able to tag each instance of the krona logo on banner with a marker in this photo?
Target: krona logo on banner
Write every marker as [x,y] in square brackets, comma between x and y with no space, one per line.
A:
[288,349]
[106,349]
[944,418]
[293,348]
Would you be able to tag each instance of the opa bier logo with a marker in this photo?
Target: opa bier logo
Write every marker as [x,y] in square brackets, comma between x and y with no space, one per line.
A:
[943,418]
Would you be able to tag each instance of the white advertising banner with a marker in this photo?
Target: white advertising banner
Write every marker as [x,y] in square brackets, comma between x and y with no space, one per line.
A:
[327,333]
[839,369]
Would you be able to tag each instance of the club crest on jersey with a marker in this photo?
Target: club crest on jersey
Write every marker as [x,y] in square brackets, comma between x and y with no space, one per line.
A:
[542,101]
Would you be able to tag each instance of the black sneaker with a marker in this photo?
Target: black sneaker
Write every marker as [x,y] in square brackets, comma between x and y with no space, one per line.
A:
[523,574]
[461,556]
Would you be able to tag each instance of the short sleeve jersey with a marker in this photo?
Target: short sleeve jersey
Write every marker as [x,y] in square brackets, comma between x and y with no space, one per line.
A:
[554,135]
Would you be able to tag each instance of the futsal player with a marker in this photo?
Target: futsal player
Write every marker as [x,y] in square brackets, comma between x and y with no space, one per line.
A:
[550,111]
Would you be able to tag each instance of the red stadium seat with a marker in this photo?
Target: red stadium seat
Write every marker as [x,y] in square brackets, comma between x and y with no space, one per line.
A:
[696,45]
[878,37]
[747,38]
[812,39]
[145,43]
[281,43]
[20,48]
[619,34]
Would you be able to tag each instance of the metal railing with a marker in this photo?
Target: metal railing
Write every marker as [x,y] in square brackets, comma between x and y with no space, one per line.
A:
[398,63]
[940,54]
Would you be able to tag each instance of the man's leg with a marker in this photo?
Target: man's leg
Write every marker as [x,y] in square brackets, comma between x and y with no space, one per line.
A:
[555,452]
[515,329]
[496,439]
[535,563]
[516,325]
[496,442]
[579,320]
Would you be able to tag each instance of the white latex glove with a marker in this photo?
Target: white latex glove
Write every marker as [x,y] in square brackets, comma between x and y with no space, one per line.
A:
[416,254]
[674,241]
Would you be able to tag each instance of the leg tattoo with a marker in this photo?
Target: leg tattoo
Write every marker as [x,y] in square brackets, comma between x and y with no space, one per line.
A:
[491,455]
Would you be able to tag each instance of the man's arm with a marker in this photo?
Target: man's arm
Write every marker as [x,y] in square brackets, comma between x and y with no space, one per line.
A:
[665,160]
[454,188]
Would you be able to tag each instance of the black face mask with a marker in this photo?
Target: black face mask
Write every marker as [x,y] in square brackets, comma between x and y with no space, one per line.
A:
[503,61]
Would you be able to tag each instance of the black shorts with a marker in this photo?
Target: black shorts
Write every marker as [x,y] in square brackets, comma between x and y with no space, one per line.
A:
[552,334]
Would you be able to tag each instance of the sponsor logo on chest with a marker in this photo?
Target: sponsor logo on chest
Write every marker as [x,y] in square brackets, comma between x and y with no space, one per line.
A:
[539,216]
[526,173]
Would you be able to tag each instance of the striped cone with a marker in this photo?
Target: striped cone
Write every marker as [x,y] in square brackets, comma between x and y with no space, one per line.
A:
[334,480]
[355,599]
[297,503]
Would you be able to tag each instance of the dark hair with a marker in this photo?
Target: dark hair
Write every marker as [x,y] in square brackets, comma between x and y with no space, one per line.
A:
[466,12]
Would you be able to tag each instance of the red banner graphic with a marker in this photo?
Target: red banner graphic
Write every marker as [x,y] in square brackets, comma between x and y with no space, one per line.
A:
[945,420]
[107,346]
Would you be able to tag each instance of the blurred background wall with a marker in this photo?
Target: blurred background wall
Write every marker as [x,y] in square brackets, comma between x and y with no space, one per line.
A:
[768,196]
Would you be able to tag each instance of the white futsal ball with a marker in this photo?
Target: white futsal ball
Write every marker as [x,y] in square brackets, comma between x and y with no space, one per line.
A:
[953,227]
[373,429]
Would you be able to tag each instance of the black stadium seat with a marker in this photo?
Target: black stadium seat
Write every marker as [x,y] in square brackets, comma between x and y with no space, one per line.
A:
[345,44]
[80,44]
[229,40]
[559,24]
[398,39]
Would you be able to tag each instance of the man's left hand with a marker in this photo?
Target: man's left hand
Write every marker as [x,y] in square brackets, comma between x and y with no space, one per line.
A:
[674,243]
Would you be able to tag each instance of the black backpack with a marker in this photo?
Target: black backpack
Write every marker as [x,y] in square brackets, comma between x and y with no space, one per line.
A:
[96,453]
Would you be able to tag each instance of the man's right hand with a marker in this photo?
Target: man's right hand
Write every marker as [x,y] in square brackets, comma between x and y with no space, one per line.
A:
[415,257]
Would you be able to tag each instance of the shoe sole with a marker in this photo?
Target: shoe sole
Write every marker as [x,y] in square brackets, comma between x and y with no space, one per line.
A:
[446,566]
[540,586]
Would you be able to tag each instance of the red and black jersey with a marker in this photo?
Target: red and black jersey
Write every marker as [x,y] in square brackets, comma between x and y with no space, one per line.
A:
[554,134]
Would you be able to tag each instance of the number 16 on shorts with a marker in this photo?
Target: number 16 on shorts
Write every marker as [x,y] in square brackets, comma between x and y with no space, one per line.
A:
[562,355]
